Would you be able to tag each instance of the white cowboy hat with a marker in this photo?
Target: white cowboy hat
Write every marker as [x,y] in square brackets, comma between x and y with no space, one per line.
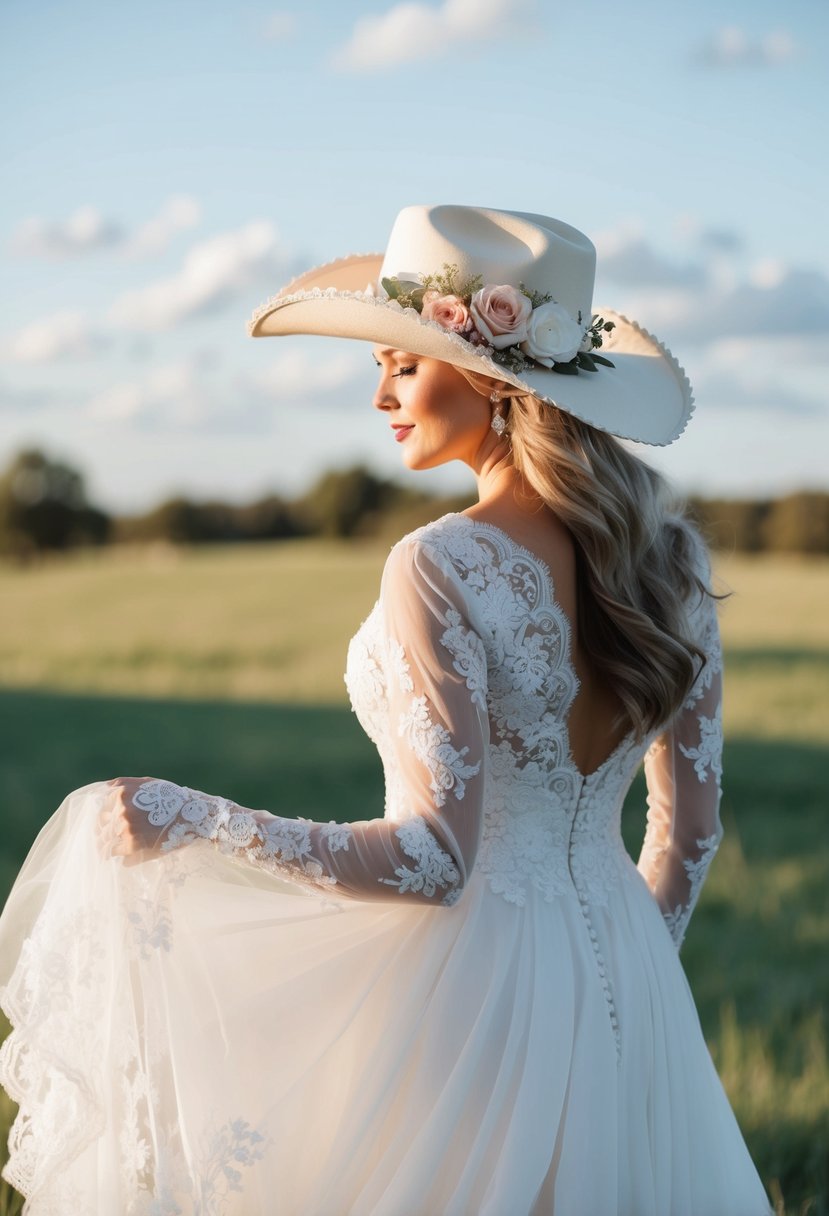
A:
[505,293]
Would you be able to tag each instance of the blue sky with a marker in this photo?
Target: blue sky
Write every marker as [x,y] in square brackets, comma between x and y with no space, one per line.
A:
[167,167]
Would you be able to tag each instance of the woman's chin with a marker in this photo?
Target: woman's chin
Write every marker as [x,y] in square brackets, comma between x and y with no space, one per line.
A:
[417,460]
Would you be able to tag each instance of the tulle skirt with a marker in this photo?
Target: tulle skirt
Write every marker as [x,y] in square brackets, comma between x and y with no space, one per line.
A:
[194,1035]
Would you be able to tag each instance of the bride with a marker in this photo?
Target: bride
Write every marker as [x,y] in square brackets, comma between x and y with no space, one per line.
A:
[474,1005]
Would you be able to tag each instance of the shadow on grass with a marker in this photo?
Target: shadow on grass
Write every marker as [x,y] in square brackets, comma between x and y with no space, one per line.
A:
[743,657]
[294,760]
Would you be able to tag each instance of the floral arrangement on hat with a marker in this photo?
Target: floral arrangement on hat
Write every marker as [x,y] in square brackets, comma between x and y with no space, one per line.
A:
[516,327]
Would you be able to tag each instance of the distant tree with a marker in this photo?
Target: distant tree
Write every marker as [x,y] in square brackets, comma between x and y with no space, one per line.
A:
[270,518]
[342,501]
[43,506]
[181,521]
[798,523]
[733,524]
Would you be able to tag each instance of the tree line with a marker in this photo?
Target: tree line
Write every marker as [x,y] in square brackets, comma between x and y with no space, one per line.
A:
[44,507]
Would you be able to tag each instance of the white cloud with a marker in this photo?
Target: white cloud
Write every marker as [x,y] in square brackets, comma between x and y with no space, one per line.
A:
[781,300]
[212,274]
[296,374]
[716,294]
[752,393]
[280,26]
[86,230]
[732,47]
[190,394]
[17,399]
[412,31]
[64,335]
[179,394]
[626,257]
[784,374]
[152,237]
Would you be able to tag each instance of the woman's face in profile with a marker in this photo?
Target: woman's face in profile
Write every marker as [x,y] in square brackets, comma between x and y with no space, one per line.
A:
[436,415]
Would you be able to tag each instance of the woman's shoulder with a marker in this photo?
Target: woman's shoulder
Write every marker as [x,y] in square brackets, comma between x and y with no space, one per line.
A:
[433,534]
[434,547]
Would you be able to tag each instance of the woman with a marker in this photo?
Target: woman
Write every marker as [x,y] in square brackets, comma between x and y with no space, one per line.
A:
[478,1008]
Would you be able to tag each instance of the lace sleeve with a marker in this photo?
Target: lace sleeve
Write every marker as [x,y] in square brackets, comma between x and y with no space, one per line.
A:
[436,685]
[683,769]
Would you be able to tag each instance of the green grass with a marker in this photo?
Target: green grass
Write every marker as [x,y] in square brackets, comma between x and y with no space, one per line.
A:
[223,669]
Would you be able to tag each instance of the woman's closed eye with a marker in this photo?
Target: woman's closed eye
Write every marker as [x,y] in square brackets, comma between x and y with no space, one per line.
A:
[406,371]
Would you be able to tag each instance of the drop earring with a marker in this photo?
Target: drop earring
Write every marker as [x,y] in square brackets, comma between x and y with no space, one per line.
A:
[498,423]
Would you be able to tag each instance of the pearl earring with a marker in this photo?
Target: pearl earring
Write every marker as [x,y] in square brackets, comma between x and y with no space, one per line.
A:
[498,423]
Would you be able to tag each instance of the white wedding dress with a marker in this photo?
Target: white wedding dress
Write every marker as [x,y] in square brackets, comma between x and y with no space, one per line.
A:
[473,1006]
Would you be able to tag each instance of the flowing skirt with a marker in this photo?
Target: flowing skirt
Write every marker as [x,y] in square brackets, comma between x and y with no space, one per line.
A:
[197,1036]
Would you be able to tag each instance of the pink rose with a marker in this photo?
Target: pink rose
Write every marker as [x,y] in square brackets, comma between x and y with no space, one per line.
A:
[501,315]
[448,311]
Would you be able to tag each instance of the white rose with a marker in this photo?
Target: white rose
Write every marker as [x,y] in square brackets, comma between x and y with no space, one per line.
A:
[552,335]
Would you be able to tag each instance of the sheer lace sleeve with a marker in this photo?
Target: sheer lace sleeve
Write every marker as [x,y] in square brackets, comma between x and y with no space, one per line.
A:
[683,769]
[435,685]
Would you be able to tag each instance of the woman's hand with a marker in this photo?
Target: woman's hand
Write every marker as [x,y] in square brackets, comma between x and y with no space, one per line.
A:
[124,830]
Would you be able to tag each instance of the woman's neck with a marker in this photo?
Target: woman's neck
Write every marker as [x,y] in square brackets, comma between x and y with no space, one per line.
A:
[500,485]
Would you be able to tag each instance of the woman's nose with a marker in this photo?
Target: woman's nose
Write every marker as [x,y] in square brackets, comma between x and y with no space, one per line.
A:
[384,398]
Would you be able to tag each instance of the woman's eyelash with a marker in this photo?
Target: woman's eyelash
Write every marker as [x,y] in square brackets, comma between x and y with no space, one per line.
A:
[406,371]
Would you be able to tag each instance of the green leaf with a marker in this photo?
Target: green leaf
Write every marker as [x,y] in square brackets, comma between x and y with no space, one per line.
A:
[601,359]
[566,369]
[585,362]
[408,286]
[390,288]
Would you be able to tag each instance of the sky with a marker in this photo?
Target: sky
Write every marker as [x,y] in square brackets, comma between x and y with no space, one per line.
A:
[168,167]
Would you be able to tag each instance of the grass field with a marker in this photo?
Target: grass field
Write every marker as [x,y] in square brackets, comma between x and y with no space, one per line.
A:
[222,669]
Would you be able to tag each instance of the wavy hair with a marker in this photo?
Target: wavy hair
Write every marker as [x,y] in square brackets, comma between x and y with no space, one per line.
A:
[638,557]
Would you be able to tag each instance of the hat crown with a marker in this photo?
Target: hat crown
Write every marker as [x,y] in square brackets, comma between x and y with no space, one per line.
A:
[514,247]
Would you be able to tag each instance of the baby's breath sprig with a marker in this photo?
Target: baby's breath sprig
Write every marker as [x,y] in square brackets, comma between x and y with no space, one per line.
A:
[536,298]
[513,359]
[447,283]
[409,293]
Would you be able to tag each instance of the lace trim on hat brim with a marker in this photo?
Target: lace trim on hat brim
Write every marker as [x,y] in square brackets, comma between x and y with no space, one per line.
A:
[488,365]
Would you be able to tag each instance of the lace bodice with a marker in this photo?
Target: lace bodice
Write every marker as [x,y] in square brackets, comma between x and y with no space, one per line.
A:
[463,678]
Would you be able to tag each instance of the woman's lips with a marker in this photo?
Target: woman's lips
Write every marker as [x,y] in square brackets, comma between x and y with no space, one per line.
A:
[400,432]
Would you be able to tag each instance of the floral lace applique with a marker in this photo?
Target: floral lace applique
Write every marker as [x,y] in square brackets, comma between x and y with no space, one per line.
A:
[708,754]
[434,868]
[273,842]
[469,658]
[432,744]
[430,741]
[677,919]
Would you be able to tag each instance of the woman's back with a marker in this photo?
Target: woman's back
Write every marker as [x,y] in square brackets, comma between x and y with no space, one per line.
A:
[596,718]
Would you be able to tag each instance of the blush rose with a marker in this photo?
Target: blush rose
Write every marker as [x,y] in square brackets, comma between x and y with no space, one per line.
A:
[448,311]
[501,314]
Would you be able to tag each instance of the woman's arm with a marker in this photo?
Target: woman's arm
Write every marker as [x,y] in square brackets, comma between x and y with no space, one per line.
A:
[683,769]
[434,681]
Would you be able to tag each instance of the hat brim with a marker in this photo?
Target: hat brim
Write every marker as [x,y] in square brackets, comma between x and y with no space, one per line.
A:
[645,396]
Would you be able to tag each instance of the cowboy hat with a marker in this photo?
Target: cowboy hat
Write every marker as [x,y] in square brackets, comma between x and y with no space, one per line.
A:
[504,293]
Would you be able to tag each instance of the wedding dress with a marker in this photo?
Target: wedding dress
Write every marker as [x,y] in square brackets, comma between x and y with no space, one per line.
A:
[473,1006]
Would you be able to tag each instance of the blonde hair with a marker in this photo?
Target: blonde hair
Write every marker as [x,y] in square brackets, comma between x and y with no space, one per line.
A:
[638,557]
